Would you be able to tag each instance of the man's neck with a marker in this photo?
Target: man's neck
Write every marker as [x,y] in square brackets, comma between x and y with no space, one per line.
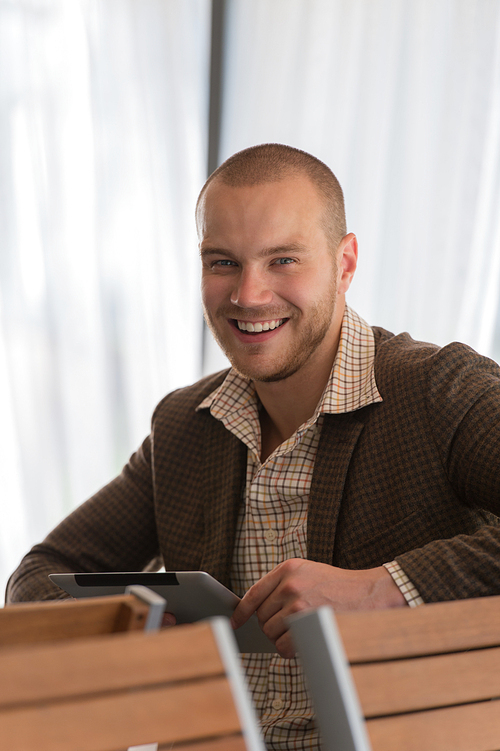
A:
[288,404]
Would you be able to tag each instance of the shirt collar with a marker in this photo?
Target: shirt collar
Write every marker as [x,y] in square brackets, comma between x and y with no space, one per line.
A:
[351,384]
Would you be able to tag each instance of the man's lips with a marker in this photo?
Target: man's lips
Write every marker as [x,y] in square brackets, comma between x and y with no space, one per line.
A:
[257,330]
[259,326]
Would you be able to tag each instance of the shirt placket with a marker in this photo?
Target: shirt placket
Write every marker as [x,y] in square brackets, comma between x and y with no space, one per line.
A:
[270,525]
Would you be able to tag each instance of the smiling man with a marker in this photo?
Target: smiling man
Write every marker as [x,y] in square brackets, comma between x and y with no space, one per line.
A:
[334,463]
[271,278]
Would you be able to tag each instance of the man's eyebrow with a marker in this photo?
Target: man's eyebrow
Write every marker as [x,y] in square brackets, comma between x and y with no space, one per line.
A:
[214,252]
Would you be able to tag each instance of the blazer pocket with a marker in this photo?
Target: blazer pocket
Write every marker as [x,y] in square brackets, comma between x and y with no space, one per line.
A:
[406,534]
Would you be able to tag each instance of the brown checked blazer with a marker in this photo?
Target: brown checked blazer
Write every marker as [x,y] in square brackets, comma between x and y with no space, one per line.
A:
[413,478]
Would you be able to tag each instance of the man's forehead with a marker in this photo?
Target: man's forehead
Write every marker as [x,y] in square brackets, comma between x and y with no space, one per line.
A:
[292,203]
[293,189]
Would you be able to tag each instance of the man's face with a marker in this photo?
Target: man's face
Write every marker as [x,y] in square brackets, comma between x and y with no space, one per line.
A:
[269,278]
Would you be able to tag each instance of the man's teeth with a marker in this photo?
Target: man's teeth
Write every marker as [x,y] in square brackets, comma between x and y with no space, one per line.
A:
[257,326]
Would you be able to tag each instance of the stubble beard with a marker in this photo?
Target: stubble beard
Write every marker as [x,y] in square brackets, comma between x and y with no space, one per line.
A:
[313,333]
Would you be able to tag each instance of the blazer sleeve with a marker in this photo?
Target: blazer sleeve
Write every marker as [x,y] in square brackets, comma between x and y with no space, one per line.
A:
[464,417]
[115,530]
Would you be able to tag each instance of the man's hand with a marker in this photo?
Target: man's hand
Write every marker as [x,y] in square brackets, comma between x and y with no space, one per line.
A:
[297,584]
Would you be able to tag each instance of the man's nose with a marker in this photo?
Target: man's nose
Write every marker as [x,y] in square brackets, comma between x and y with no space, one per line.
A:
[252,289]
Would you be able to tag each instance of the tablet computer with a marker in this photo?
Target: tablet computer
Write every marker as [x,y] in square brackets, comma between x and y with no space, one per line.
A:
[190,596]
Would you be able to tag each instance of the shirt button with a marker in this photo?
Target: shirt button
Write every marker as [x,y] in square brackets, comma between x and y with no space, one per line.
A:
[277,704]
[270,535]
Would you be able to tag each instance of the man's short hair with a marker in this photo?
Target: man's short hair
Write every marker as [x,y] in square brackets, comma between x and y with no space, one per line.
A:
[272,162]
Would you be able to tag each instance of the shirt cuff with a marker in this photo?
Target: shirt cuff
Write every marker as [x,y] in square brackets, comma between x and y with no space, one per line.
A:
[407,589]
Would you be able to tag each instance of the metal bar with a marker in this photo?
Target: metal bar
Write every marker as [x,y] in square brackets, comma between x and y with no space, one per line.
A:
[216,83]
[156,604]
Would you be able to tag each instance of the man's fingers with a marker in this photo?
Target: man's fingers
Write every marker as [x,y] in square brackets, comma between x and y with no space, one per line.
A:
[254,598]
[274,627]
[284,646]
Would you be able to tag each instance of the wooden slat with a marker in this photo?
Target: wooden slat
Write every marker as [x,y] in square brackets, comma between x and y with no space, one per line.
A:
[25,623]
[166,715]
[229,743]
[430,629]
[474,727]
[426,682]
[41,671]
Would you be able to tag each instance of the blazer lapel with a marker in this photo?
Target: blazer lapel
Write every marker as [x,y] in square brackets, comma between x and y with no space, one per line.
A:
[339,436]
[224,468]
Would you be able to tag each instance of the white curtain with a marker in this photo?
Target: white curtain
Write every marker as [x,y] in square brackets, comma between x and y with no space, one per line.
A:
[103,133]
[103,111]
[401,98]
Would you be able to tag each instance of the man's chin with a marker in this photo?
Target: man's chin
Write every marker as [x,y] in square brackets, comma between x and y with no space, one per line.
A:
[265,375]
[261,372]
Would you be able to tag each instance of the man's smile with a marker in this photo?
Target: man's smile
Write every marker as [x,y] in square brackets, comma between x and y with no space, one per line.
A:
[257,332]
[259,326]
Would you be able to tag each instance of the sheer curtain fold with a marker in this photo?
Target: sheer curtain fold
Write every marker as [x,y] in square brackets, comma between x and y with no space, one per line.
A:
[103,127]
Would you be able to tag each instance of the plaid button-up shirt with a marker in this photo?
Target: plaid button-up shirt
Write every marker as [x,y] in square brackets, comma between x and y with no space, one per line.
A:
[272,525]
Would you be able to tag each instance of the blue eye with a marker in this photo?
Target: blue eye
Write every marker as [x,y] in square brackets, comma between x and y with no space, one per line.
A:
[284,261]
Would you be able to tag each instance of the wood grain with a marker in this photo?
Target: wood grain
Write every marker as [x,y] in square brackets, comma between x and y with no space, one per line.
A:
[113,662]
[474,727]
[415,684]
[166,715]
[24,623]
[431,629]
[118,690]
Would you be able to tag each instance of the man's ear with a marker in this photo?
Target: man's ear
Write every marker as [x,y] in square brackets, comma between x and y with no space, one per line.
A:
[347,260]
